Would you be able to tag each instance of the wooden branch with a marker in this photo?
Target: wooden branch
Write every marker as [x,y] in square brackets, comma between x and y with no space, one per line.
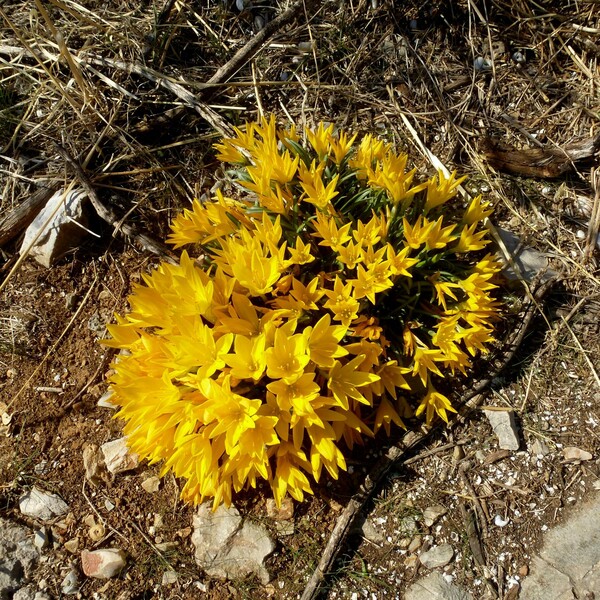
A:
[397,454]
[249,50]
[20,217]
[107,214]
[547,162]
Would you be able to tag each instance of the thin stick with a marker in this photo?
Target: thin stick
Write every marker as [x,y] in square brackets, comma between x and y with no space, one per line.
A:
[397,454]
[109,216]
[249,50]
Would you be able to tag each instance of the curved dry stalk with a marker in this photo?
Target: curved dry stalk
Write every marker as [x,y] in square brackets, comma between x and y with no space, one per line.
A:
[398,454]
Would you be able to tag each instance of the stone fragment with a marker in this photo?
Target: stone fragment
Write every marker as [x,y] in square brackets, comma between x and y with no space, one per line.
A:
[410,562]
[432,513]
[72,545]
[371,533]
[18,557]
[103,564]
[30,592]
[525,262]
[227,547]
[539,448]
[438,556]
[573,454]
[117,457]
[415,543]
[42,505]
[436,587]
[284,512]
[504,426]
[170,577]
[41,538]
[151,484]
[92,462]
[58,228]
[70,583]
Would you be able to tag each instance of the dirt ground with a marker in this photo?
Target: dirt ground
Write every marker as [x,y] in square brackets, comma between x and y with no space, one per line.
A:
[449,79]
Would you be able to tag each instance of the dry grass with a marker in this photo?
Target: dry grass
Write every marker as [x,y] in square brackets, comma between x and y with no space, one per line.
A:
[122,86]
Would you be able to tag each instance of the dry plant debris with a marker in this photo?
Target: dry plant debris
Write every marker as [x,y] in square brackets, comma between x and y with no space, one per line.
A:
[122,87]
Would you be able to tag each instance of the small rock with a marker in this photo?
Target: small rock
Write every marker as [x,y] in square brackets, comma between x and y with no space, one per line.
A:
[117,457]
[404,543]
[436,587]
[438,556]
[228,547]
[415,543]
[30,592]
[18,557]
[71,545]
[70,584]
[573,454]
[523,570]
[285,512]
[500,522]
[103,564]
[408,525]
[151,484]
[526,263]
[539,448]
[410,562]
[482,64]
[41,538]
[432,513]
[370,532]
[42,505]
[92,462]
[458,453]
[170,577]
[57,228]
[504,426]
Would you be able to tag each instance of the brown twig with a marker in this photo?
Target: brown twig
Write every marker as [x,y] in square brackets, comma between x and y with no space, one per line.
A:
[397,454]
[107,214]
[21,216]
[249,50]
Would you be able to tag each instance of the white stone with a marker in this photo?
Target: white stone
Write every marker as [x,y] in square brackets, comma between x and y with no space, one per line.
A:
[70,584]
[525,262]
[504,426]
[438,556]
[42,505]
[573,454]
[151,484]
[58,228]
[435,587]
[432,513]
[117,457]
[170,577]
[92,462]
[103,564]
[228,547]
[18,557]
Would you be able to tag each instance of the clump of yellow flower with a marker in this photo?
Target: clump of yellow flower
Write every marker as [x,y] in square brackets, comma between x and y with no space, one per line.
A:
[331,300]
